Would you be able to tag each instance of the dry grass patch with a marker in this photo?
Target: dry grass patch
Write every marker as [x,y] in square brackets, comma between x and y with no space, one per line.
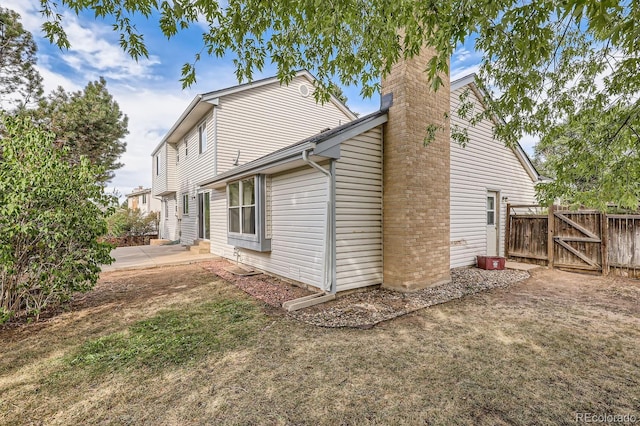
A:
[535,353]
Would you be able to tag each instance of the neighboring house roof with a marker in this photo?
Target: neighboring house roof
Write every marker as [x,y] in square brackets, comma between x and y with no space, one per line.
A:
[204,102]
[138,191]
[470,80]
[323,145]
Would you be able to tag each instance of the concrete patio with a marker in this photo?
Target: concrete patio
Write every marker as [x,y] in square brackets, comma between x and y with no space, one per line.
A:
[143,257]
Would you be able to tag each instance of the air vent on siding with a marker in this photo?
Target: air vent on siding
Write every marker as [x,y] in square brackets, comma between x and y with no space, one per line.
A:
[304,90]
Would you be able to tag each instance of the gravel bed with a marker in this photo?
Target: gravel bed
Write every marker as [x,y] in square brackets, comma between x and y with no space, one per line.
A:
[366,308]
[270,290]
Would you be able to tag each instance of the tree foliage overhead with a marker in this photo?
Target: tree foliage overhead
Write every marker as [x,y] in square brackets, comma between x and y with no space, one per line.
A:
[89,123]
[51,215]
[20,82]
[550,63]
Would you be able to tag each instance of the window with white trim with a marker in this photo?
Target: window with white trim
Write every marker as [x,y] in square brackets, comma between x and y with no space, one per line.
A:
[491,210]
[202,137]
[246,201]
[242,207]
[144,198]
[157,164]
[185,203]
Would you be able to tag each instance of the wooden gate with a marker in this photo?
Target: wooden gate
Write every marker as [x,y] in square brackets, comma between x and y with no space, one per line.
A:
[576,240]
[581,240]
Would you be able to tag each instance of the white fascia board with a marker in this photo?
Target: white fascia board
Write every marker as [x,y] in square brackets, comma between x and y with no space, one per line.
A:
[270,80]
[182,117]
[246,86]
[463,81]
[342,107]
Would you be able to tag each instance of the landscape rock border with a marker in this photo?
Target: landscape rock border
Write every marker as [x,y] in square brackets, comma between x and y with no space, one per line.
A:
[368,308]
[364,309]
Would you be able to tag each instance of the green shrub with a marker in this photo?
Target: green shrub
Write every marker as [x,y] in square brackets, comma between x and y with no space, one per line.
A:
[51,215]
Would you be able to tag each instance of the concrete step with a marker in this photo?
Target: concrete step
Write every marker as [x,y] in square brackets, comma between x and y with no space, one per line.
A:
[200,247]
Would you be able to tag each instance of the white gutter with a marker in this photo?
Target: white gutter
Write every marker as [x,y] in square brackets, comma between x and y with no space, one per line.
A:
[329,283]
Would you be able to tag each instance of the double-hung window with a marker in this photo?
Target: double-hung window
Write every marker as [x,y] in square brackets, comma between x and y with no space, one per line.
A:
[202,137]
[242,207]
[246,214]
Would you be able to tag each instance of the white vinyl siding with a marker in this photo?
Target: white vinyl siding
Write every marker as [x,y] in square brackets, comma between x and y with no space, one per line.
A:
[164,167]
[188,221]
[264,119]
[255,121]
[298,217]
[159,176]
[172,175]
[168,223]
[359,211]
[192,169]
[484,165]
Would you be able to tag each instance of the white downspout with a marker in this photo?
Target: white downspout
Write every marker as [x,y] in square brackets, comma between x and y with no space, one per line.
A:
[215,140]
[328,284]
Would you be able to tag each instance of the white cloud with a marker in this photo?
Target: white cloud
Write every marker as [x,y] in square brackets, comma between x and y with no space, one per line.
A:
[95,51]
[29,11]
[460,55]
[52,80]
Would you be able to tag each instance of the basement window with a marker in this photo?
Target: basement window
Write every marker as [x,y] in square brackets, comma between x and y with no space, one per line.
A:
[246,214]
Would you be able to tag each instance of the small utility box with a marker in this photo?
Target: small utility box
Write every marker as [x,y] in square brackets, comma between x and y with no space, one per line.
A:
[490,262]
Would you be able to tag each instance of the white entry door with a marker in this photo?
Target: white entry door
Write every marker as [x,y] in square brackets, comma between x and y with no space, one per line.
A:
[493,210]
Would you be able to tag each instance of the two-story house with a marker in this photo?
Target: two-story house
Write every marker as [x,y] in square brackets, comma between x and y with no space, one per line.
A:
[226,128]
[313,194]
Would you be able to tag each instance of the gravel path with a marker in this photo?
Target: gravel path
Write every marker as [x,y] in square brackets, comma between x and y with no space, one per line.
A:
[366,308]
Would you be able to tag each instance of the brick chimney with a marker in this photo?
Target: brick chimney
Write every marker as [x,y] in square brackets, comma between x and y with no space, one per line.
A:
[416,179]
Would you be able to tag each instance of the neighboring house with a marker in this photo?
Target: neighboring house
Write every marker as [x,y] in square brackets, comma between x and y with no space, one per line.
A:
[141,199]
[226,128]
[366,202]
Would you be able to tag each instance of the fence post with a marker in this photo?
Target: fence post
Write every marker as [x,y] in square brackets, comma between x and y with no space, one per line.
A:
[551,225]
[507,232]
[604,242]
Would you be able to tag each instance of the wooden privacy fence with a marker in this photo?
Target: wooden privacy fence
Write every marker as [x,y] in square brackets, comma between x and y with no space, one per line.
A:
[581,240]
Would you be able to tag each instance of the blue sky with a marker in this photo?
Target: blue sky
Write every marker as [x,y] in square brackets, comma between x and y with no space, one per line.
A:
[149,91]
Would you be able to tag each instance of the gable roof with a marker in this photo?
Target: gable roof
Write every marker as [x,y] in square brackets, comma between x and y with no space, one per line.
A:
[205,102]
[138,191]
[323,145]
[482,95]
